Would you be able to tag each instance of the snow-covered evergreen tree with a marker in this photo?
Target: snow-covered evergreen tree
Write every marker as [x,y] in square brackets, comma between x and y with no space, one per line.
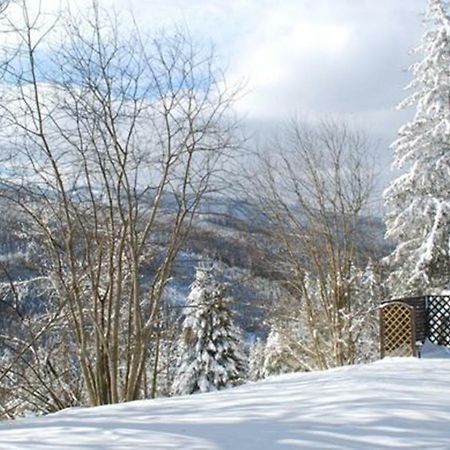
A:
[373,285]
[211,355]
[279,357]
[367,292]
[256,360]
[419,199]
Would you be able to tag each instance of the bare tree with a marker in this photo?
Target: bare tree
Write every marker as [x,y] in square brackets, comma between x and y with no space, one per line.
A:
[3,6]
[115,143]
[36,373]
[314,185]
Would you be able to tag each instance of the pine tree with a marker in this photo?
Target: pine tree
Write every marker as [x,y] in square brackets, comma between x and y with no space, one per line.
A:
[256,361]
[211,355]
[279,357]
[367,294]
[419,200]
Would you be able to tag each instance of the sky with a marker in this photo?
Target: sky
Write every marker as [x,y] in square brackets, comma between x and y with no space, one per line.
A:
[309,57]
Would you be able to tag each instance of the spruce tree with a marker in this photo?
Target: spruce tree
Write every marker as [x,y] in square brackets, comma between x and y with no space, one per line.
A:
[211,355]
[256,361]
[419,200]
[279,357]
[367,294]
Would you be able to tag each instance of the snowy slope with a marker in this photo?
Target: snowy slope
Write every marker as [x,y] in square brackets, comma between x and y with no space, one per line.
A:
[394,403]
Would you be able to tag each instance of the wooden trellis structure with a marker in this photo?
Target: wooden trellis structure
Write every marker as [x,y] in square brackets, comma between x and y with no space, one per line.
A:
[405,322]
[398,330]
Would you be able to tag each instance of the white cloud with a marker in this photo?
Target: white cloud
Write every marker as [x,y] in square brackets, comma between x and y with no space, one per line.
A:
[328,56]
[334,56]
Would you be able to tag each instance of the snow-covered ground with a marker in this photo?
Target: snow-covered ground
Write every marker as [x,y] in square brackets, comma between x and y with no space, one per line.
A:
[394,403]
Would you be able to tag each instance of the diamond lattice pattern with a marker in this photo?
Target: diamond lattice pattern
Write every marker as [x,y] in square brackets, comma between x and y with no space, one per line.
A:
[398,330]
[439,320]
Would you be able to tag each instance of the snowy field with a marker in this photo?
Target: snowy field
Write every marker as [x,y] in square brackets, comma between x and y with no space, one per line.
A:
[395,403]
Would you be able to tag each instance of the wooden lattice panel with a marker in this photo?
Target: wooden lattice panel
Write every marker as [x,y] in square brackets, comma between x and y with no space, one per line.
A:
[397,330]
[439,319]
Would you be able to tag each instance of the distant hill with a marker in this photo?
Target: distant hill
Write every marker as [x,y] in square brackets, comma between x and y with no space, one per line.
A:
[227,232]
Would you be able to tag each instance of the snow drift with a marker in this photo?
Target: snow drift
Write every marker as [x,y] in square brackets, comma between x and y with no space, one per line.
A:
[392,403]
